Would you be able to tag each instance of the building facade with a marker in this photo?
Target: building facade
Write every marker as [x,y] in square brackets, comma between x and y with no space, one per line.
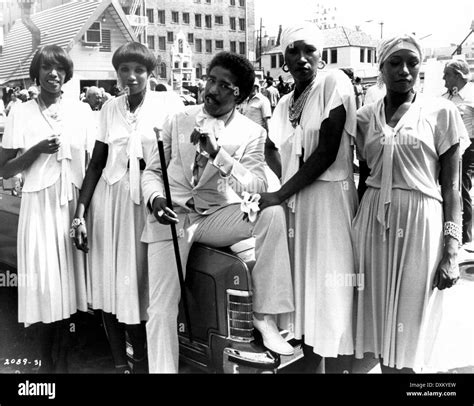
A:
[208,27]
[343,48]
[90,31]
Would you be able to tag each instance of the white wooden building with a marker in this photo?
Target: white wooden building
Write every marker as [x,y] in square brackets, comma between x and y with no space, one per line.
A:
[90,31]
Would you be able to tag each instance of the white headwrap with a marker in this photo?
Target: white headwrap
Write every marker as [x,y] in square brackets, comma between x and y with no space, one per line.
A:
[305,31]
[394,44]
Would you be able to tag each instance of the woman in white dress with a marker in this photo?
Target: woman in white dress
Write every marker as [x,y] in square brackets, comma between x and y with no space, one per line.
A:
[46,140]
[407,231]
[117,260]
[313,127]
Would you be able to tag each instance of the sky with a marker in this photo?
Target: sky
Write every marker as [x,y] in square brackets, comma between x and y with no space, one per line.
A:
[440,22]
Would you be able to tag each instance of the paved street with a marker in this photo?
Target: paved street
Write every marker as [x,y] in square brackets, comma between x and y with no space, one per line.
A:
[90,353]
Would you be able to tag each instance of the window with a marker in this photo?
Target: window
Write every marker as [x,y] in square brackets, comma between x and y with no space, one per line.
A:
[208,1]
[333,55]
[198,70]
[362,55]
[233,47]
[281,60]
[208,46]
[126,10]
[242,3]
[176,65]
[219,44]
[197,20]
[170,36]
[191,38]
[369,56]
[186,18]
[161,17]
[163,70]
[150,15]
[198,45]
[274,62]
[242,24]
[93,34]
[162,43]
[175,17]
[325,55]
[208,20]
[242,48]
[232,23]
[150,40]
[232,2]
[219,20]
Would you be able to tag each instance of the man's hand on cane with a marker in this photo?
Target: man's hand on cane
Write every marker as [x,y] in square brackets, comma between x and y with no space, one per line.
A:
[163,213]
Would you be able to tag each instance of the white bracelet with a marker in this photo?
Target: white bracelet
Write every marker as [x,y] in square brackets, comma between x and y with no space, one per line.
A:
[78,221]
[453,230]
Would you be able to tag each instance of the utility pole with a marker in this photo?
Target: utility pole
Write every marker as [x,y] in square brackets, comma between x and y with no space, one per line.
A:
[260,46]
[381,29]
[458,49]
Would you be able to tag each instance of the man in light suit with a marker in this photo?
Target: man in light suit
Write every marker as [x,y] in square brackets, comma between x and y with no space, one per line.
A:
[213,154]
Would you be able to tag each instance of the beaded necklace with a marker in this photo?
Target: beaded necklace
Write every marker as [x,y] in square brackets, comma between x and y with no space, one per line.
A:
[131,118]
[296,107]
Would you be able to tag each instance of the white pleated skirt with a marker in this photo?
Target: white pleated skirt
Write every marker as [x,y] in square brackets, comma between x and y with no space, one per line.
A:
[323,267]
[117,261]
[398,312]
[51,272]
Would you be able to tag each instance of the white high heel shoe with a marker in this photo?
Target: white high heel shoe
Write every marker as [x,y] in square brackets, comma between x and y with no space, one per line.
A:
[271,337]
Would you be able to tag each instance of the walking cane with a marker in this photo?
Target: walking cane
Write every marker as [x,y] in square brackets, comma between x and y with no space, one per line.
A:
[169,203]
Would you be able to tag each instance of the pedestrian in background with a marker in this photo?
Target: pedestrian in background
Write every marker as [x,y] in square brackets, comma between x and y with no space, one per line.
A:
[408,228]
[272,94]
[359,92]
[33,92]
[111,199]
[461,93]
[257,106]
[46,139]
[94,98]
